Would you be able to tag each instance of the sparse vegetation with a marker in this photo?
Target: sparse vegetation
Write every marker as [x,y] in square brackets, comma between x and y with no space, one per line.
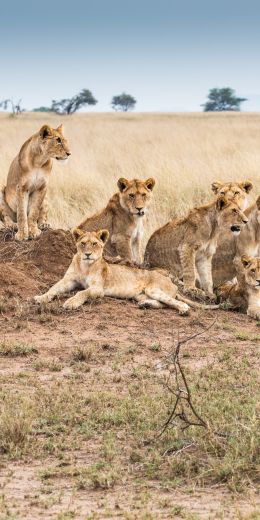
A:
[15,348]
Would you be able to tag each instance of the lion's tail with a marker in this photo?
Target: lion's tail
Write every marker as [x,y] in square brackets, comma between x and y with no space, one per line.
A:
[196,305]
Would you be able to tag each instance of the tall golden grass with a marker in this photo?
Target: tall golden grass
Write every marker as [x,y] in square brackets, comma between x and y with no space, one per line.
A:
[184,152]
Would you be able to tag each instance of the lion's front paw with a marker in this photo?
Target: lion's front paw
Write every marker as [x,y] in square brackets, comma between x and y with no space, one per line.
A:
[254,313]
[184,310]
[194,292]
[10,224]
[21,235]
[34,232]
[42,298]
[72,303]
[211,295]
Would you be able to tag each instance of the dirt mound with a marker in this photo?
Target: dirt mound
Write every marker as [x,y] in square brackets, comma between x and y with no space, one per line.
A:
[29,265]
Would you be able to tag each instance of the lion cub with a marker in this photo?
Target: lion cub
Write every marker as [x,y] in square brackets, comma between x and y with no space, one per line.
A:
[22,199]
[99,278]
[245,293]
[123,217]
[186,246]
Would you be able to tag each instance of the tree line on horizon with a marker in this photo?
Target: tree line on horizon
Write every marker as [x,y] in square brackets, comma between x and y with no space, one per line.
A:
[219,100]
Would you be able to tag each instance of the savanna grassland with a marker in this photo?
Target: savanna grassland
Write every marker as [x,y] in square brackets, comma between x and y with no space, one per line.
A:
[184,152]
[84,395]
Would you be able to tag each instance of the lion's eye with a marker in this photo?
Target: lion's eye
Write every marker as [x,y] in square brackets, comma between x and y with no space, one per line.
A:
[236,192]
[131,196]
[59,140]
[222,193]
[252,270]
[94,243]
[234,210]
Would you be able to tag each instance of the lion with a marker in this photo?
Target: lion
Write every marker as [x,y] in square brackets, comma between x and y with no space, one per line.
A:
[228,265]
[22,200]
[123,217]
[222,263]
[236,191]
[186,246]
[98,278]
[245,293]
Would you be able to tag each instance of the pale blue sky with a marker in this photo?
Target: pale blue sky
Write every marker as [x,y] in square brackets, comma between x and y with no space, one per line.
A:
[167,53]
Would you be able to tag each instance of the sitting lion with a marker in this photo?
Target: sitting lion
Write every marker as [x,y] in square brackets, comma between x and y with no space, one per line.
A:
[186,246]
[228,264]
[245,293]
[98,278]
[22,200]
[222,263]
[123,217]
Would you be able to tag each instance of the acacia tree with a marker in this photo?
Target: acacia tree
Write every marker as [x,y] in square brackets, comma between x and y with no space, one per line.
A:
[15,106]
[123,102]
[221,99]
[70,106]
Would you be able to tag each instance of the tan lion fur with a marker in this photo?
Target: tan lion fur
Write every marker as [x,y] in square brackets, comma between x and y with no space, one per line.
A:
[186,246]
[98,278]
[222,262]
[22,200]
[228,265]
[245,293]
[124,218]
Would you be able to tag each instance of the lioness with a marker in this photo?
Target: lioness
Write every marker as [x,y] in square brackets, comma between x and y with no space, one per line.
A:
[123,217]
[228,264]
[245,293]
[27,181]
[236,191]
[187,245]
[99,278]
[222,262]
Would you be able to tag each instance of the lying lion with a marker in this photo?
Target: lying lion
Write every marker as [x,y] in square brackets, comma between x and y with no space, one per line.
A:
[245,293]
[90,271]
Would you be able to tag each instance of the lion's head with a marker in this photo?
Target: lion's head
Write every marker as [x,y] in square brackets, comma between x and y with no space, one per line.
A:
[53,143]
[230,216]
[236,191]
[251,267]
[90,245]
[135,196]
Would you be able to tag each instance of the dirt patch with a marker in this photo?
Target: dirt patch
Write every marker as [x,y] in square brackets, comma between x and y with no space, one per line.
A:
[123,351]
[27,266]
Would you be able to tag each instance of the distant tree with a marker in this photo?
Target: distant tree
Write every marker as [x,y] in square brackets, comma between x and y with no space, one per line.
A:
[123,102]
[69,106]
[42,109]
[221,99]
[15,107]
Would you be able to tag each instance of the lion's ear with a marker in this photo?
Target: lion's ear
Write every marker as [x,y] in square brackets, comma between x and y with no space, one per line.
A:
[123,184]
[149,183]
[60,129]
[247,186]
[77,233]
[216,185]
[246,260]
[45,131]
[103,235]
[221,203]
[258,202]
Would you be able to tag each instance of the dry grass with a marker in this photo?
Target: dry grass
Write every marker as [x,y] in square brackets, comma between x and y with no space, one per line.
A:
[184,152]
